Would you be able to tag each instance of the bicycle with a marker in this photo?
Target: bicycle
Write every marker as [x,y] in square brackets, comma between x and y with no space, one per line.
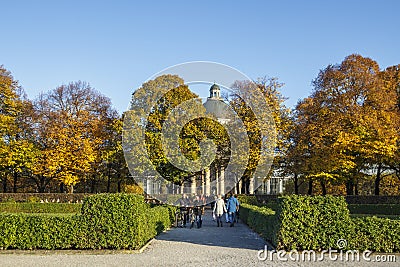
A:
[180,217]
[195,217]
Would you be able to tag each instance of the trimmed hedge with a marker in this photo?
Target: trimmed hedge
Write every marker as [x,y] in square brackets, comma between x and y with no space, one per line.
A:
[373,199]
[381,209]
[247,199]
[313,222]
[305,223]
[37,197]
[261,219]
[40,207]
[25,231]
[376,234]
[113,221]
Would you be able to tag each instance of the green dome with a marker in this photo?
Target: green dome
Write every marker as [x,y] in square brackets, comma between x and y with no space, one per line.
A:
[214,87]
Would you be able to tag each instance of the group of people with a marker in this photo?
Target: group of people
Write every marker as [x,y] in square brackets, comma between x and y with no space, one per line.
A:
[230,208]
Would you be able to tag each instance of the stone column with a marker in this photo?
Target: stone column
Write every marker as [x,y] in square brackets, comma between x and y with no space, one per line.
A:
[222,181]
[240,186]
[251,185]
[149,186]
[280,186]
[202,183]
[268,186]
[193,186]
[207,182]
[217,192]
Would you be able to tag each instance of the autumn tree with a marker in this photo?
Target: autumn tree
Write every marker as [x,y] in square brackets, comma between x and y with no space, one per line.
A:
[17,153]
[275,113]
[70,126]
[168,112]
[348,124]
[112,155]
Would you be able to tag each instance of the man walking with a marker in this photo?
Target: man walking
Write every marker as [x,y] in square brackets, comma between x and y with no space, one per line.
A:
[233,207]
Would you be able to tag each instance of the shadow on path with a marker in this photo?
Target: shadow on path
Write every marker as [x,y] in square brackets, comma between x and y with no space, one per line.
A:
[239,236]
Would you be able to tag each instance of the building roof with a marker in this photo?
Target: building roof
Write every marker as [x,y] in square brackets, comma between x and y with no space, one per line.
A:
[217,107]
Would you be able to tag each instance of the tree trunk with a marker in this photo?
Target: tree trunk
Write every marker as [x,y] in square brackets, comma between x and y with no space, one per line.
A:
[120,181]
[109,180]
[71,189]
[62,187]
[5,185]
[15,179]
[378,179]
[350,187]
[119,186]
[296,184]
[40,183]
[310,187]
[356,187]
[93,184]
[323,186]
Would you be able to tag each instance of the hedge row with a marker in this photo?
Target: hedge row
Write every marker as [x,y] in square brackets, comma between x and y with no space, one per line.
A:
[37,197]
[40,207]
[248,199]
[371,199]
[376,234]
[112,221]
[381,209]
[25,231]
[261,219]
[317,223]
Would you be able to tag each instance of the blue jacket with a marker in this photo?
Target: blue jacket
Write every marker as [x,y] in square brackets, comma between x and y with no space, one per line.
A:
[232,204]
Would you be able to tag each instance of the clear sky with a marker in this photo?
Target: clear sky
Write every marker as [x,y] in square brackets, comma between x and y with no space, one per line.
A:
[117,45]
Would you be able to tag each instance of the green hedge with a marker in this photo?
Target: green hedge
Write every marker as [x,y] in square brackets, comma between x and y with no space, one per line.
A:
[26,207]
[304,223]
[113,221]
[377,209]
[25,231]
[376,234]
[245,199]
[261,219]
[313,222]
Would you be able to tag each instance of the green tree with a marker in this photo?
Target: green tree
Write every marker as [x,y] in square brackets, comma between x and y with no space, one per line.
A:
[147,121]
[275,127]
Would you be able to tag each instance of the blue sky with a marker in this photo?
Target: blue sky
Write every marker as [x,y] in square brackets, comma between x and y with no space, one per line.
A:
[117,45]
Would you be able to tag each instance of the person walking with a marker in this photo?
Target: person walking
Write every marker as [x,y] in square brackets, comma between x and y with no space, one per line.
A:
[219,209]
[233,207]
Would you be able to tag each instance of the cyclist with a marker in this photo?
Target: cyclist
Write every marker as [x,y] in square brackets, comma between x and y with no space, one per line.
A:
[183,204]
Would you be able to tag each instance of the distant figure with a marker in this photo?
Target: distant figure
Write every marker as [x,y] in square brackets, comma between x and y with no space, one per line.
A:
[233,207]
[219,209]
[237,209]
[183,203]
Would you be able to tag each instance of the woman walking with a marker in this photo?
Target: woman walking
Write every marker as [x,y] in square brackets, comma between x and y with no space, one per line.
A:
[219,209]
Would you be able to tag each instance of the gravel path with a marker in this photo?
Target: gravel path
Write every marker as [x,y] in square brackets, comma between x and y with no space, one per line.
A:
[207,246]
